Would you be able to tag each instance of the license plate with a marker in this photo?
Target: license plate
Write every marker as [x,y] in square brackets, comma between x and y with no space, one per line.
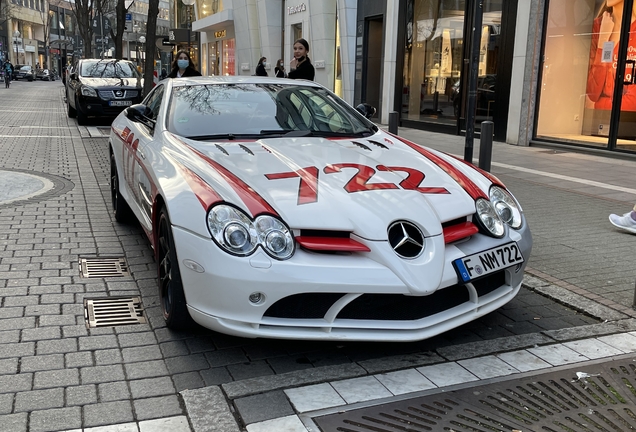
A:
[489,261]
[120,103]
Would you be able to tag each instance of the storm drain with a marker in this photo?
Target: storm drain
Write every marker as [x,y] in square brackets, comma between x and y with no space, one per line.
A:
[113,311]
[599,398]
[103,267]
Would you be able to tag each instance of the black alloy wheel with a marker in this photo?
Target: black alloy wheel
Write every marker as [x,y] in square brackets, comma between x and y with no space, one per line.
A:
[173,302]
[82,119]
[70,111]
[121,210]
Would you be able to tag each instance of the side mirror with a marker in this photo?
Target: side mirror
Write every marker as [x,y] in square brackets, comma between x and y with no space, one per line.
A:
[366,110]
[140,113]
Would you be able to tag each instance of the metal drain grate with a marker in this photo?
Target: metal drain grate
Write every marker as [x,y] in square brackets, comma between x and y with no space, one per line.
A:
[103,267]
[602,400]
[113,311]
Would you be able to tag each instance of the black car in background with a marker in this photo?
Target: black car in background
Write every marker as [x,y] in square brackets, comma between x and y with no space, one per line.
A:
[23,72]
[102,88]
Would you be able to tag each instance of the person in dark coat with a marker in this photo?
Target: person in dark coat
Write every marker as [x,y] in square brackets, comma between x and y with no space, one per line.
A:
[182,66]
[300,66]
[280,69]
[260,67]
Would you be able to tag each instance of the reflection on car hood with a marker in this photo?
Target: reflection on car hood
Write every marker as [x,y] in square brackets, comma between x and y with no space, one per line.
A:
[364,196]
[112,82]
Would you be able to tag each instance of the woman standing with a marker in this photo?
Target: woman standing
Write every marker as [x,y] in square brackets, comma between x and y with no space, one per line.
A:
[260,67]
[280,69]
[182,66]
[300,66]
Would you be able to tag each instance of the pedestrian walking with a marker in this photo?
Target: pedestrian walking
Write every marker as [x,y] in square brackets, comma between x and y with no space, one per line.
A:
[260,67]
[280,69]
[182,66]
[626,222]
[300,66]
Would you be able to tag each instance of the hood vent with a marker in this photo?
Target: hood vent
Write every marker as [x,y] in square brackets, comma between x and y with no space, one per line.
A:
[379,144]
[222,149]
[247,150]
[362,146]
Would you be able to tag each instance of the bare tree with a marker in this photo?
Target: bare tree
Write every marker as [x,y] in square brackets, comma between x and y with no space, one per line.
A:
[46,15]
[151,36]
[83,10]
[118,35]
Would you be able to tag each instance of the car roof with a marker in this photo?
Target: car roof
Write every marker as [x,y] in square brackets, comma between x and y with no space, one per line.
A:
[185,81]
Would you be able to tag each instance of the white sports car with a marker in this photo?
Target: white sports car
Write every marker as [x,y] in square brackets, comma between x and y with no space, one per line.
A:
[277,210]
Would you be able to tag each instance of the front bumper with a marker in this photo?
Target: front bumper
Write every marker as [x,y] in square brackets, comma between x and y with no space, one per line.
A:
[338,296]
[98,107]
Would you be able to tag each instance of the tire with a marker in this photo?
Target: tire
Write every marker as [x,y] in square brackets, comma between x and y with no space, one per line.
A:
[171,295]
[82,119]
[121,210]
[70,111]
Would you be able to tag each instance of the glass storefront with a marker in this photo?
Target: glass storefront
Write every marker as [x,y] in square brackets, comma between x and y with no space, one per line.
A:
[220,57]
[577,102]
[433,60]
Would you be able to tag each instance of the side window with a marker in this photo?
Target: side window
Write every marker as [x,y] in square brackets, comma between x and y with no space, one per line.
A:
[301,108]
[153,101]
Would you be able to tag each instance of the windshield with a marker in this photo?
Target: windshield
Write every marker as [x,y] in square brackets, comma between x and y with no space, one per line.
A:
[108,69]
[214,110]
[25,68]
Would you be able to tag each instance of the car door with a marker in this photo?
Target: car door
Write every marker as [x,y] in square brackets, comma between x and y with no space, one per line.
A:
[72,84]
[136,170]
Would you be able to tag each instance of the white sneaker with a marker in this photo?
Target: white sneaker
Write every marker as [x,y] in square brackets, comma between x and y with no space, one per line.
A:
[624,222]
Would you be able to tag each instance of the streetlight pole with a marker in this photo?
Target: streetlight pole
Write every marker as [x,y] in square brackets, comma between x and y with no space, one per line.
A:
[189,4]
[142,40]
[16,35]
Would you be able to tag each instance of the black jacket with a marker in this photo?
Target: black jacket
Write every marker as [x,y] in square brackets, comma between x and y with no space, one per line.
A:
[189,72]
[280,73]
[305,70]
[260,70]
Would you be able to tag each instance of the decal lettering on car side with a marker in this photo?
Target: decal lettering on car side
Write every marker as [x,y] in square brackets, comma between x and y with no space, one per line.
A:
[308,188]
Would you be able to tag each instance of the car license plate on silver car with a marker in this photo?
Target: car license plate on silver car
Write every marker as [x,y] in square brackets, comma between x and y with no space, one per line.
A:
[120,103]
[489,261]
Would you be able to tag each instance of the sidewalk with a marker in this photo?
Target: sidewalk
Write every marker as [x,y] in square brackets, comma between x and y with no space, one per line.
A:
[57,375]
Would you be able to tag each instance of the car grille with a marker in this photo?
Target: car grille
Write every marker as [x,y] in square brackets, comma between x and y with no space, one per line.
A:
[110,94]
[383,307]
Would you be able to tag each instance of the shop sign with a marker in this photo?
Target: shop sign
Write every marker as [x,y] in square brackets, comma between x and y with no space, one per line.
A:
[220,34]
[29,48]
[296,9]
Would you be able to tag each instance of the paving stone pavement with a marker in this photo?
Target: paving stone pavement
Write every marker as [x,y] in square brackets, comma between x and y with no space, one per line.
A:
[55,374]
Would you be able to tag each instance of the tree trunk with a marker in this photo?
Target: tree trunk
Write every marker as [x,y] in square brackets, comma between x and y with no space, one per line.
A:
[118,37]
[151,47]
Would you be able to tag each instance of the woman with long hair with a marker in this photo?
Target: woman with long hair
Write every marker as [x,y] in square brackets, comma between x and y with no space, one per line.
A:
[280,69]
[260,67]
[602,71]
[300,66]
[182,66]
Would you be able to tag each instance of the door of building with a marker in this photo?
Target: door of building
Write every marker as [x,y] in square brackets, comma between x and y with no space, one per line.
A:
[373,63]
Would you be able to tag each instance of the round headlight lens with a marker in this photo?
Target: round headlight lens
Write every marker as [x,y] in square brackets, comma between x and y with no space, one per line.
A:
[489,217]
[236,233]
[232,230]
[275,237]
[506,206]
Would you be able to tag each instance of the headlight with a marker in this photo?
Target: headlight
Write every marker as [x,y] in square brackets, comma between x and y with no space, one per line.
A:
[506,206]
[88,91]
[232,230]
[237,234]
[489,218]
[274,236]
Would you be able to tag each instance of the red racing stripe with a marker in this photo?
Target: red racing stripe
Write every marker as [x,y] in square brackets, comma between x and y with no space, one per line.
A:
[486,174]
[204,192]
[466,183]
[253,201]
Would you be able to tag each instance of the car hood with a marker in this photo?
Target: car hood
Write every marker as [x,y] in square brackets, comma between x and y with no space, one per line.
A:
[112,82]
[361,183]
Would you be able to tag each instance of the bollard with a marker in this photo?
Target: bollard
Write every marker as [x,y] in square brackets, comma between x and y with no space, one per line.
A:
[485,145]
[393,122]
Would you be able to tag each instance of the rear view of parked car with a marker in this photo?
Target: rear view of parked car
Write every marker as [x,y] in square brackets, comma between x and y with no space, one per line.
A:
[102,88]
[45,75]
[23,72]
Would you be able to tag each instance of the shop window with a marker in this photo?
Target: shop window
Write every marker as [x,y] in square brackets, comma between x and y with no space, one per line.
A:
[297,31]
[229,48]
[433,60]
[579,74]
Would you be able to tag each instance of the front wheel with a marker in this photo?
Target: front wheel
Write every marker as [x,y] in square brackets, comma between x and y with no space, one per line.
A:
[121,210]
[173,302]
[82,119]
[70,111]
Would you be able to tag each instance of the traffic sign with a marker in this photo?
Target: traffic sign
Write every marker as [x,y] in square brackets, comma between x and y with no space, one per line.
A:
[128,17]
[100,20]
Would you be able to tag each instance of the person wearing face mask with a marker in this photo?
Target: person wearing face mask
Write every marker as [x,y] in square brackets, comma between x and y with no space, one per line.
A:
[300,66]
[260,67]
[280,69]
[182,66]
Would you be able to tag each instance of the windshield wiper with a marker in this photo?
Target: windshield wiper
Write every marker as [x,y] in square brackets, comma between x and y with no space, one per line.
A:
[227,136]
